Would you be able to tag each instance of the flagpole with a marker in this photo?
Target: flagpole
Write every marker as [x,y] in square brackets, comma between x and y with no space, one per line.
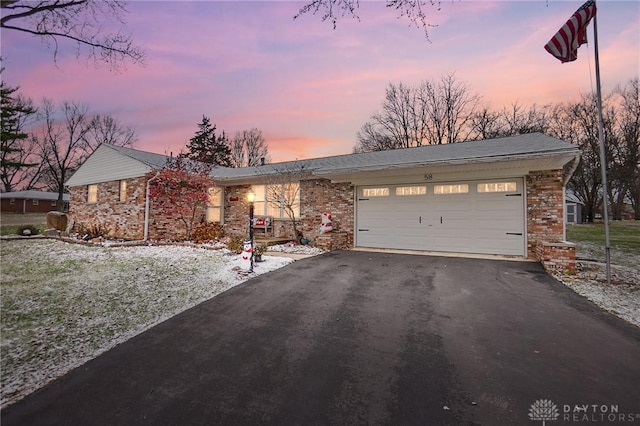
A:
[603,157]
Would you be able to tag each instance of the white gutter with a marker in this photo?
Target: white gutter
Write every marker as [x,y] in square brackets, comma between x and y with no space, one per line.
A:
[574,166]
[146,208]
[565,181]
[447,162]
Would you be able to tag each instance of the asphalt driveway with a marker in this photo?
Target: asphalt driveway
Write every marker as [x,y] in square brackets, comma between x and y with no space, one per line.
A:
[357,338]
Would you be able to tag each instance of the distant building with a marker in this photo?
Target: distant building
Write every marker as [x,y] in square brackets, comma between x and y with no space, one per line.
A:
[31,201]
[572,209]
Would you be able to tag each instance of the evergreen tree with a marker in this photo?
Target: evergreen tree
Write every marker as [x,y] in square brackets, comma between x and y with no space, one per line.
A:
[14,111]
[206,147]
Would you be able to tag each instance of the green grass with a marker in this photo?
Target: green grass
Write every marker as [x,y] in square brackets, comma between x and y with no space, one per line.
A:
[623,235]
[624,240]
[11,222]
[13,229]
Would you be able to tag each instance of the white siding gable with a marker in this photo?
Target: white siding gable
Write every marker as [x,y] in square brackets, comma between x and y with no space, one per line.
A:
[107,164]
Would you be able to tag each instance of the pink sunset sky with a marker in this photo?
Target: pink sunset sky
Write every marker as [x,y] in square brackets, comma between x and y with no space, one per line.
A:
[308,87]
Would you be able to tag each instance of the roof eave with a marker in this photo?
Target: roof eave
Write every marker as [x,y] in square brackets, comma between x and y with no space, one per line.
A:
[569,153]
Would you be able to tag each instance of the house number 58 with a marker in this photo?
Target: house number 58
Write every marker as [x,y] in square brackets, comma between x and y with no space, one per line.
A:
[428,176]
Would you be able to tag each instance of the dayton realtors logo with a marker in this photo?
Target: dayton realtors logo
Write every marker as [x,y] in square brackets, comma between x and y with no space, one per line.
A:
[545,410]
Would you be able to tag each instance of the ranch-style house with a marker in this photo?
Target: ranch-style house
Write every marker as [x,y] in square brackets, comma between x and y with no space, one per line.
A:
[502,196]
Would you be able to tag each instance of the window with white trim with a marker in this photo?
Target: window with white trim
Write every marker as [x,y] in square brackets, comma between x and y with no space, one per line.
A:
[276,199]
[92,194]
[214,205]
[411,190]
[497,187]
[375,192]
[462,188]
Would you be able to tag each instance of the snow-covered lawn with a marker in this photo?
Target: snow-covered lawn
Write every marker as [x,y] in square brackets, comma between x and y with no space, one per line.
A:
[62,304]
[622,296]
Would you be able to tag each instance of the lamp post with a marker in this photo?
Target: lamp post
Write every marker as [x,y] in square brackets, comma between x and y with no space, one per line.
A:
[251,196]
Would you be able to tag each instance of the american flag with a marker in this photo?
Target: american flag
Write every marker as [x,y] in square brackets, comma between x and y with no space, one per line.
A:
[565,43]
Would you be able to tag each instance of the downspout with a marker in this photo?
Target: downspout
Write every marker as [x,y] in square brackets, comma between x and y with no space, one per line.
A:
[572,169]
[146,208]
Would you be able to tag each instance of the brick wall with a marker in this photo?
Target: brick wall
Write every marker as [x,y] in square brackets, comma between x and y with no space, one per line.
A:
[123,219]
[320,195]
[170,226]
[558,258]
[545,222]
[545,215]
[236,210]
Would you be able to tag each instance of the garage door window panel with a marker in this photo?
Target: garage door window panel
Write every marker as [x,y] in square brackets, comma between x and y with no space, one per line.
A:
[451,189]
[402,191]
[497,187]
[375,192]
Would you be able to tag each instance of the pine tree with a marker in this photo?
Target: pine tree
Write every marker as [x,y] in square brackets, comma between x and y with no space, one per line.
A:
[206,147]
[14,110]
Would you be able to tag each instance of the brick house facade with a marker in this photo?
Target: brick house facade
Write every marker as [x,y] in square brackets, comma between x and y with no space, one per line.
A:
[330,185]
[123,218]
[316,196]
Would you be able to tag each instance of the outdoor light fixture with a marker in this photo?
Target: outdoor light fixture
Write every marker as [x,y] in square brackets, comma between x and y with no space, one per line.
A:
[251,196]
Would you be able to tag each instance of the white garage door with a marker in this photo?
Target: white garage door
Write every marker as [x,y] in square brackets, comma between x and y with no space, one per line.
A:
[468,217]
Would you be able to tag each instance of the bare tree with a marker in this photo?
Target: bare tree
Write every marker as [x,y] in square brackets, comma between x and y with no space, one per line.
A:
[586,181]
[238,158]
[520,120]
[283,191]
[68,135]
[371,139]
[430,113]
[62,142]
[486,124]
[332,10]
[450,108]
[106,129]
[248,148]
[84,22]
[629,133]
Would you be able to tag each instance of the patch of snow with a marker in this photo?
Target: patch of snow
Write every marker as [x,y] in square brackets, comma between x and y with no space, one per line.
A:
[63,304]
[621,297]
[295,248]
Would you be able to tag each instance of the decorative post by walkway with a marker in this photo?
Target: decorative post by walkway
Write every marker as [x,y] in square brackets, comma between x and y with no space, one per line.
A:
[251,196]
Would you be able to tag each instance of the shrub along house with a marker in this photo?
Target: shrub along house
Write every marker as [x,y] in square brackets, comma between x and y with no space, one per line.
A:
[501,196]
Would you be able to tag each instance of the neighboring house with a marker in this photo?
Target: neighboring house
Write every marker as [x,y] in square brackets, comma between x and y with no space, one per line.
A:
[572,209]
[500,196]
[31,201]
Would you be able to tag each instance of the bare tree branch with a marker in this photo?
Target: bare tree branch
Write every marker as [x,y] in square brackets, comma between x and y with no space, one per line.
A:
[333,10]
[84,22]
